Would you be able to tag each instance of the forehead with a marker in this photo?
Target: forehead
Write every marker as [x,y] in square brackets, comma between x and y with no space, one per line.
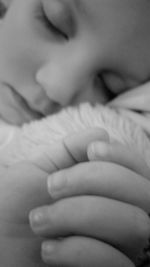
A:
[96,5]
[123,20]
[98,9]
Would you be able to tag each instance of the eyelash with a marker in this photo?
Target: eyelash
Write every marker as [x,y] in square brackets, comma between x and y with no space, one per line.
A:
[50,26]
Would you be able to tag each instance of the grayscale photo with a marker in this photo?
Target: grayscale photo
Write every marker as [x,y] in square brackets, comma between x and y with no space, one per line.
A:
[74,133]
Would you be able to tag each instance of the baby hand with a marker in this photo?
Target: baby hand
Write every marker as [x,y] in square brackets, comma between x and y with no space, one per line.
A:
[120,154]
[24,187]
[70,151]
[100,207]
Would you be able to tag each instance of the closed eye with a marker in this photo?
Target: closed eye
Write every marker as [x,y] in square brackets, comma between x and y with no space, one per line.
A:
[51,26]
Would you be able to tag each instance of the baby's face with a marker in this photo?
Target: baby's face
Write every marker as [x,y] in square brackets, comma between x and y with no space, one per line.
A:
[54,53]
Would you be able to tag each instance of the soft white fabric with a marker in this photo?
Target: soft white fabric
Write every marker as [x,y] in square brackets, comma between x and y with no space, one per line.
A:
[118,118]
[36,139]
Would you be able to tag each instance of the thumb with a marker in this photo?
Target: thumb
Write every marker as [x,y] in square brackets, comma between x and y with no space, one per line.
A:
[77,144]
[71,150]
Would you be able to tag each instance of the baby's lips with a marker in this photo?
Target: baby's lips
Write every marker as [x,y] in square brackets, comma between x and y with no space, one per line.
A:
[13,107]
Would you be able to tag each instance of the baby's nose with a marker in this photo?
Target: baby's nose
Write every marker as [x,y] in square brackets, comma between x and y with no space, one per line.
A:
[63,80]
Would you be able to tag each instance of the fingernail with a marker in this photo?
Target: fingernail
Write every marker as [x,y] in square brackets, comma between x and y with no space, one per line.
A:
[37,218]
[96,150]
[48,248]
[91,150]
[56,183]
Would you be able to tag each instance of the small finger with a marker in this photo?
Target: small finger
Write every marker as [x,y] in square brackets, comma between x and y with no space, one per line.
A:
[121,225]
[77,143]
[69,151]
[82,251]
[119,154]
[101,179]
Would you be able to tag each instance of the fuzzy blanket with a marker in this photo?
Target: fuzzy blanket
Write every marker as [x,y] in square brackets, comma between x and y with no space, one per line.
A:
[35,140]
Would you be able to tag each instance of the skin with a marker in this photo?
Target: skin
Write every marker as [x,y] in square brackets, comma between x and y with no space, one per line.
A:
[77,202]
[107,199]
[51,71]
